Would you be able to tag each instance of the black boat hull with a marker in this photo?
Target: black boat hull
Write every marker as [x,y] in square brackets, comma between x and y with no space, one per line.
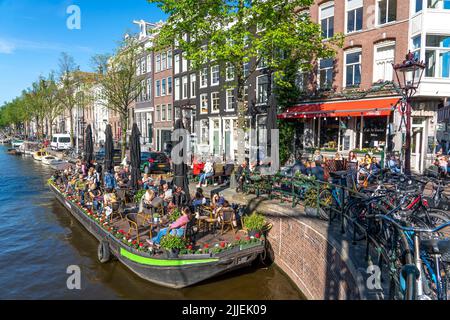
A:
[173,273]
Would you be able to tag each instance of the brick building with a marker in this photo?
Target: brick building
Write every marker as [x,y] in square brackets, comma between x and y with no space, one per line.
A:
[349,101]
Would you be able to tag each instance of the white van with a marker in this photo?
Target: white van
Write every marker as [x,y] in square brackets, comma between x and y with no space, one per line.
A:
[60,142]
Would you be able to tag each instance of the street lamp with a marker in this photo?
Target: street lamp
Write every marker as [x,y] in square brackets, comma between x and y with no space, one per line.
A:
[409,74]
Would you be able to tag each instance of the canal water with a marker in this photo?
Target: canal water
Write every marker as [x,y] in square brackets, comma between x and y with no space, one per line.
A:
[40,240]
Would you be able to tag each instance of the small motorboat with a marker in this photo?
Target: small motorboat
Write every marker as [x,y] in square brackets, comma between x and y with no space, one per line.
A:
[39,155]
[56,162]
[48,159]
[17,143]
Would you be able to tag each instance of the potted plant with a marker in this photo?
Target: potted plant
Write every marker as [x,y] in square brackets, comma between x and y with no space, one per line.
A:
[156,218]
[176,213]
[311,197]
[173,245]
[254,224]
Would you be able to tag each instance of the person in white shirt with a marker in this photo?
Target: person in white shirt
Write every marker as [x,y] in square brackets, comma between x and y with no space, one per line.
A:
[208,171]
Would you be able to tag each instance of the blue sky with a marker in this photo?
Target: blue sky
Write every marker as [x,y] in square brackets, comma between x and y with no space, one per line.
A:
[33,33]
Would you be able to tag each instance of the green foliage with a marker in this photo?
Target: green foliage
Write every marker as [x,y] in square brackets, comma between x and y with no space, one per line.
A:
[139,195]
[176,213]
[287,131]
[311,197]
[170,242]
[255,222]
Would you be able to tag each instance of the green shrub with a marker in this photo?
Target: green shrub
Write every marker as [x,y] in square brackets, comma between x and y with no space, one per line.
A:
[139,195]
[311,197]
[170,242]
[255,222]
[176,213]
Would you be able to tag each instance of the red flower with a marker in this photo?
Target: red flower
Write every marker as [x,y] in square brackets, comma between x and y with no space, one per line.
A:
[134,242]
[206,246]
[222,244]
[247,238]
[257,236]
[238,238]
[141,245]
[121,231]
[190,247]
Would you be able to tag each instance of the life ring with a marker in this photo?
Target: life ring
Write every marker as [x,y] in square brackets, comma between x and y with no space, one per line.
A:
[103,252]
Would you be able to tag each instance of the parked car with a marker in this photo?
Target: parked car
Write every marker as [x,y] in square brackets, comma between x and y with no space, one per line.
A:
[117,156]
[60,142]
[152,162]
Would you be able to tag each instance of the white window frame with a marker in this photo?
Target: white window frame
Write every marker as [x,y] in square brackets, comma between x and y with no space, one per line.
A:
[163,61]
[318,73]
[377,13]
[158,63]
[229,71]
[257,90]
[387,62]
[193,85]
[184,62]
[204,78]
[169,86]
[169,59]
[353,8]
[177,64]
[203,98]
[323,7]
[438,65]
[158,88]
[213,99]
[350,51]
[228,96]
[163,87]
[177,88]
[149,88]
[158,113]
[149,62]
[212,75]
[184,87]
[163,113]
[169,112]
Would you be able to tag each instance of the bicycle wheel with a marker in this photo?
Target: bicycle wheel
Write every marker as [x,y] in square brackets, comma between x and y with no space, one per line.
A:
[328,205]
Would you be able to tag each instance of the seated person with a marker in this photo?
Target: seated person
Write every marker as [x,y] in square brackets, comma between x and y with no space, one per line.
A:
[80,188]
[199,199]
[108,201]
[298,166]
[197,167]
[70,188]
[394,165]
[146,181]
[208,171]
[241,174]
[150,202]
[179,198]
[168,193]
[110,180]
[226,208]
[375,167]
[177,228]
[95,196]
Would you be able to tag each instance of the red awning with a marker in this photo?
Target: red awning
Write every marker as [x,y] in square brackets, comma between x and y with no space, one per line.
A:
[349,108]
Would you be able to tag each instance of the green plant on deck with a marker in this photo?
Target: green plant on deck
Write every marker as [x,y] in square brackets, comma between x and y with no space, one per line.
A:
[139,195]
[171,242]
[255,222]
[311,198]
[175,215]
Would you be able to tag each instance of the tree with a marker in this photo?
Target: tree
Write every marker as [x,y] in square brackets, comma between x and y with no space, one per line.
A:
[69,80]
[51,100]
[120,84]
[237,32]
[100,63]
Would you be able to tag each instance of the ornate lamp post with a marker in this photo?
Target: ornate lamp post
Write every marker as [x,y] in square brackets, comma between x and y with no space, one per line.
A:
[409,74]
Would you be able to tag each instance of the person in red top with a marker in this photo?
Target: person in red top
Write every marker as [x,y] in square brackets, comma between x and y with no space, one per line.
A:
[177,228]
[197,167]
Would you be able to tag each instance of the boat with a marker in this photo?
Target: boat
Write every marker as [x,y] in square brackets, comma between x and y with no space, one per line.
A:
[38,155]
[17,143]
[56,162]
[48,159]
[183,271]
[13,152]
[28,148]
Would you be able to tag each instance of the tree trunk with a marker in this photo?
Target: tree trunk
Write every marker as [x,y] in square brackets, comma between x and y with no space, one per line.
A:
[242,112]
[72,140]
[124,123]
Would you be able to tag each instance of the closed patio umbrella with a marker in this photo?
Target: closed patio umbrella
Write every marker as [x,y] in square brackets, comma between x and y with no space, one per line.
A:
[180,170]
[88,146]
[135,157]
[109,149]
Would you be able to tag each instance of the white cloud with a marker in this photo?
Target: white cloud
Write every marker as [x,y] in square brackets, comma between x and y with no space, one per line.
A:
[6,47]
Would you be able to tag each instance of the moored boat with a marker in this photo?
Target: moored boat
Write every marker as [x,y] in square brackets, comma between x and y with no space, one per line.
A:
[17,143]
[183,271]
[38,155]
[48,159]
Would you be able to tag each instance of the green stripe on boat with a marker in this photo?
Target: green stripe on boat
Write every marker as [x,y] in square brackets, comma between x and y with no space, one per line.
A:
[161,263]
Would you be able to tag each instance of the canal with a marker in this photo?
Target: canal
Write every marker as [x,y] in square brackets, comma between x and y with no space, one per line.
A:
[40,240]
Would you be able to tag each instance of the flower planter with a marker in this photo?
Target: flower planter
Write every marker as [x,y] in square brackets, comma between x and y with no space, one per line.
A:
[313,212]
[253,233]
[249,245]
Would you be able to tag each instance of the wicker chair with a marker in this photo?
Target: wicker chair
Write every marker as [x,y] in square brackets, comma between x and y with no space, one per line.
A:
[227,218]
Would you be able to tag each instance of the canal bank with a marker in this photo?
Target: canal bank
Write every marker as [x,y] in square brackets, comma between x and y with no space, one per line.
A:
[40,240]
